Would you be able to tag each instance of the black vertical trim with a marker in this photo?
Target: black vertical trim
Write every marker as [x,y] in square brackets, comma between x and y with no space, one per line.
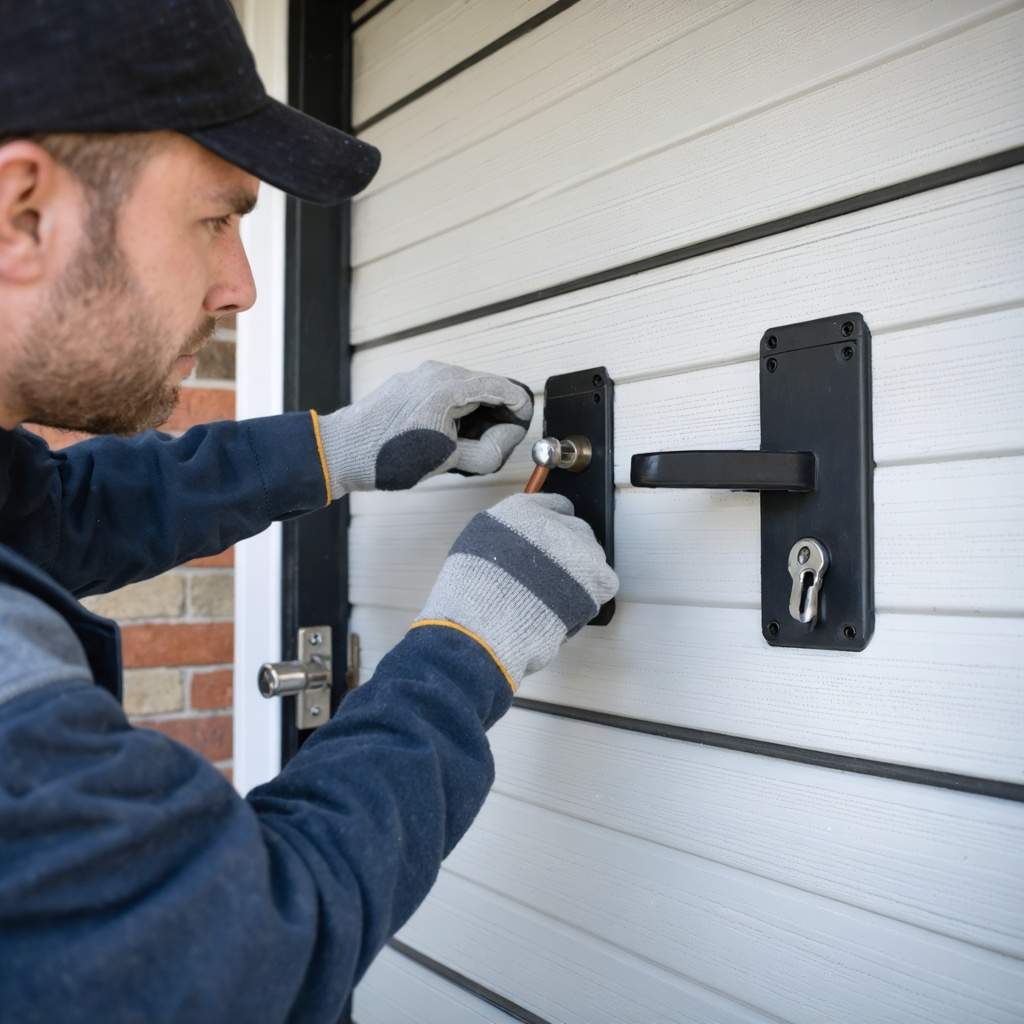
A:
[314,577]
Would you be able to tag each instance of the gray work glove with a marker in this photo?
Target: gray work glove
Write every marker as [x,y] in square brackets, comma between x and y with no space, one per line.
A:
[522,578]
[425,421]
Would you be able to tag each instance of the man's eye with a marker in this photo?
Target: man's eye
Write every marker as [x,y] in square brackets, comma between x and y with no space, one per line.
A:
[219,224]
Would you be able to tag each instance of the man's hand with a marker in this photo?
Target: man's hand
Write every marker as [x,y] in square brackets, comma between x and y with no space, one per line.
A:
[429,420]
[522,577]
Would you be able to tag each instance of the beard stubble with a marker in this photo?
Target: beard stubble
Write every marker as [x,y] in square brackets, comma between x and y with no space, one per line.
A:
[95,360]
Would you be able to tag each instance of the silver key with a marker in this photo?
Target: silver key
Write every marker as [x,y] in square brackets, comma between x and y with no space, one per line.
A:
[808,563]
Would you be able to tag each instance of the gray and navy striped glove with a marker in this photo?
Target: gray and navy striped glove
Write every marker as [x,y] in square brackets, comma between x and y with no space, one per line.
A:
[429,420]
[522,578]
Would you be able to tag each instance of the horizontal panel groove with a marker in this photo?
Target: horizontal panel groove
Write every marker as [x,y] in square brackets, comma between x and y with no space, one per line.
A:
[799,755]
[924,183]
[482,992]
[364,18]
[540,18]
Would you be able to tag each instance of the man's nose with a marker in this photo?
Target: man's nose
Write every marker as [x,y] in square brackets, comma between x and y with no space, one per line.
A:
[234,290]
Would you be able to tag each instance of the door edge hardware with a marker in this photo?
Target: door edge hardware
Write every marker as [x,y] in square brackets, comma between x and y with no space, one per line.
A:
[575,457]
[814,472]
[309,678]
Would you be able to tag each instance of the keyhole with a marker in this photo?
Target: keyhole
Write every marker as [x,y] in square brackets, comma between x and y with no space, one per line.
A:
[806,584]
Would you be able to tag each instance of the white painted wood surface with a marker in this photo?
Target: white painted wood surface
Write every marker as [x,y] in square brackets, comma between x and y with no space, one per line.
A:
[941,255]
[936,692]
[903,116]
[619,877]
[411,42]
[790,952]
[397,991]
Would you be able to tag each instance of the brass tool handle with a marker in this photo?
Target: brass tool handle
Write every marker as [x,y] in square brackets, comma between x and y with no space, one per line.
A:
[537,479]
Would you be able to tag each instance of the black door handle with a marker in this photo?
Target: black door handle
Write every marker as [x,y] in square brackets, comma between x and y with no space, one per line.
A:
[726,470]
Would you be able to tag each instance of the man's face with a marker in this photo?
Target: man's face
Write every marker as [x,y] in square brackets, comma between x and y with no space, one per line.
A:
[122,322]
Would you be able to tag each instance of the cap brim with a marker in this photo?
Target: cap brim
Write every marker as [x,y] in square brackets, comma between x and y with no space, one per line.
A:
[294,152]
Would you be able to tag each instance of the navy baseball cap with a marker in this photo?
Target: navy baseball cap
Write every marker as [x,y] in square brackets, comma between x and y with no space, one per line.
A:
[173,65]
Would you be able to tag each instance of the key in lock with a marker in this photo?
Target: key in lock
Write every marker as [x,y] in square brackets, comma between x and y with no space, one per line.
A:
[808,563]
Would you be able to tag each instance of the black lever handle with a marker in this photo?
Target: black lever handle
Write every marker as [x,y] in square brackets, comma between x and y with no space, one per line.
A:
[726,470]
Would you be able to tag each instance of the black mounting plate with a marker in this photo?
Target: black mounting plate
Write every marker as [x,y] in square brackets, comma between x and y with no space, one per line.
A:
[816,396]
[583,402]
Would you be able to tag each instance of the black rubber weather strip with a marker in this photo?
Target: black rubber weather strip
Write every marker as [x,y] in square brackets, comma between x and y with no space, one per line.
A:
[370,13]
[784,752]
[474,58]
[514,1010]
[829,211]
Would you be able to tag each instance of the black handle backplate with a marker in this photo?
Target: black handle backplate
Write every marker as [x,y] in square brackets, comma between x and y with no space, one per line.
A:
[814,472]
[583,403]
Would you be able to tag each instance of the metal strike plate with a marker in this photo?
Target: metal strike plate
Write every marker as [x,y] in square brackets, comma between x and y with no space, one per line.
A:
[816,397]
[313,705]
[583,403]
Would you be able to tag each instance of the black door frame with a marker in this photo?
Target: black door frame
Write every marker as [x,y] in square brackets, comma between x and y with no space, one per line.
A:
[314,563]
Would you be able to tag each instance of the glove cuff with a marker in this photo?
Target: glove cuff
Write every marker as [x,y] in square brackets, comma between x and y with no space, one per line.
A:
[522,633]
[348,453]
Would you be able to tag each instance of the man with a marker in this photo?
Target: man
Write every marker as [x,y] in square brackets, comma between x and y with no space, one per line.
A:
[134,883]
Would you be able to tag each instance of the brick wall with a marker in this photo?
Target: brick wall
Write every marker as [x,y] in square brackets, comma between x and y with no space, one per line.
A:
[177,628]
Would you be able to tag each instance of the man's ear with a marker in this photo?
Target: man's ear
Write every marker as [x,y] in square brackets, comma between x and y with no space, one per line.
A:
[33,203]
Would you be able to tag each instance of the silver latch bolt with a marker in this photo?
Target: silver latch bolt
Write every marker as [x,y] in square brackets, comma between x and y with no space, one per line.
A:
[808,563]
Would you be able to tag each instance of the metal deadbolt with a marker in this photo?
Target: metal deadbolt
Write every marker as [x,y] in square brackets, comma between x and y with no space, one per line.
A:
[808,563]
[309,678]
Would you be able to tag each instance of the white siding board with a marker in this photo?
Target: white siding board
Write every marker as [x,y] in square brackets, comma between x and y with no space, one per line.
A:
[411,42]
[786,951]
[943,860]
[397,991]
[713,72]
[934,106]
[560,973]
[921,259]
[945,693]
[949,537]
[586,42]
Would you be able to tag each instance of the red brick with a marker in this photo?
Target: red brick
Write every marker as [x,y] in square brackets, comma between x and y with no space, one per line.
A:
[55,438]
[212,690]
[224,560]
[201,405]
[151,646]
[210,737]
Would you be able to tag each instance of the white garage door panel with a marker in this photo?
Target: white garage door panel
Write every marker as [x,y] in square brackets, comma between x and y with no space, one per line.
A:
[948,537]
[564,975]
[945,693]
[782,950]
[412,41]
[956,99]
[585,42]
[688,86]
[397,991]
[921,259]
[943,860]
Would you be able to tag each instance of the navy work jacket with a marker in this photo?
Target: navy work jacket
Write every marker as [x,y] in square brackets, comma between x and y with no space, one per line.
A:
[135,884]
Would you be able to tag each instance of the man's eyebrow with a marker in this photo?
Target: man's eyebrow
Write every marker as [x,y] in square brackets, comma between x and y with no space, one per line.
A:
[241,200]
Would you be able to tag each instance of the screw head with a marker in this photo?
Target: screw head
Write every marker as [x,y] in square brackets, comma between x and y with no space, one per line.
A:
[771,341]
[772,365]
[847,328]
[598,380]
[315,711]
[850,632]
[803,554]
[773,628]
[847,352]
[315,640]
[597,398]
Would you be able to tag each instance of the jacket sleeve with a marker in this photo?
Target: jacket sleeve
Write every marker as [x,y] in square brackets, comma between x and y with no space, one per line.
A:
[135,884]
[110,511]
